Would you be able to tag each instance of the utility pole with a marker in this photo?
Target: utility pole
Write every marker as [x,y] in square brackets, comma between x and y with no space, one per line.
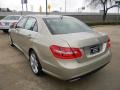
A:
[26,7]
[22,8]
[22,5]
[46,8]
[24,2]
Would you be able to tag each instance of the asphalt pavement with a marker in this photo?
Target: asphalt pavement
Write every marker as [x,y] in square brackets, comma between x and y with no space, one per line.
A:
[16,74]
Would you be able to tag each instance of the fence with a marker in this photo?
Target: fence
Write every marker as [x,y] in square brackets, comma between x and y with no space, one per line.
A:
[86,17]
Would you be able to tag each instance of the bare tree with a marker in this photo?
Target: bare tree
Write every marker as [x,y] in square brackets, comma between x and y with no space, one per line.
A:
[105,4]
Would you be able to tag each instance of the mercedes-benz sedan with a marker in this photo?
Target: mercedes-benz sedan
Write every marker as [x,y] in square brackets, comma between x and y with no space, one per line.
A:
[61,46]
[7,21]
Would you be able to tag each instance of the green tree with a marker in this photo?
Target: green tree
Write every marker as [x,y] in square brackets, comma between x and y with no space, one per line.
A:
[105,4]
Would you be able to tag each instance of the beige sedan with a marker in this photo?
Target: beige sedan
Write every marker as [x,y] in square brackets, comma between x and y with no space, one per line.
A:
[61,46]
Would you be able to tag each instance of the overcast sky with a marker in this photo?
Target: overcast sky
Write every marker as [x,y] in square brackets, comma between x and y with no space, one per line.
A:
[72,5]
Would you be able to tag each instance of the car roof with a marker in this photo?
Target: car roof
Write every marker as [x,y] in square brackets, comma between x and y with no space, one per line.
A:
[13,15]
[46,16]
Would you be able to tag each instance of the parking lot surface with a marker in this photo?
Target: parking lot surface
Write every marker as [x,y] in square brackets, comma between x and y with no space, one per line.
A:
[16,74]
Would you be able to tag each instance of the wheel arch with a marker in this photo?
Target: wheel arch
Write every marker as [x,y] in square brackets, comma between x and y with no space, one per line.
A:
[34,50]
[30,49]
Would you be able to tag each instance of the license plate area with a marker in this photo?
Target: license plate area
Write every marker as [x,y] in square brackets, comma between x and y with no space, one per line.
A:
[94,49]
[6,23]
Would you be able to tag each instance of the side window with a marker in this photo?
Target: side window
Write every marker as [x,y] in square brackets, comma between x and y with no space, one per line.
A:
[35,28]
[30,24]
[22,22]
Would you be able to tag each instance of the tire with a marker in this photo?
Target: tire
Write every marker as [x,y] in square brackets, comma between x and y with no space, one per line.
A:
[35,64]
[10,41]
[5,31]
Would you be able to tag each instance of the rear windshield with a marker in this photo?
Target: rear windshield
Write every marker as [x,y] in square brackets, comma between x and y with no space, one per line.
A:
[65,25]
[11,18]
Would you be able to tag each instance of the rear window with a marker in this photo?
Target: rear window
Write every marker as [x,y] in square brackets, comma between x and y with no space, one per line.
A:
[11,18]
[65,25]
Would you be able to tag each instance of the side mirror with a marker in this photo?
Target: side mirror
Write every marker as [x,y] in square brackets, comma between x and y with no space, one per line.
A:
[13,25]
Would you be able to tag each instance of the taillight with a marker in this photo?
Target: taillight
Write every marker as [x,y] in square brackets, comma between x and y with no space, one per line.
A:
[108,43]
[66,52]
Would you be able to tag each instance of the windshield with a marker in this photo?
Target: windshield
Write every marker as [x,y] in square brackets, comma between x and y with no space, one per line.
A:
[11,18]
[65,25]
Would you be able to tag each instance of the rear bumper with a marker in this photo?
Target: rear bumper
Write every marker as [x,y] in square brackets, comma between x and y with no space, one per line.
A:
[65,73]
[4,27]
[76,78]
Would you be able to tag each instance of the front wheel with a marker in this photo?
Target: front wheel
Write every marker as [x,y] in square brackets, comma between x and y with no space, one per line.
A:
[5,31]
[34,63]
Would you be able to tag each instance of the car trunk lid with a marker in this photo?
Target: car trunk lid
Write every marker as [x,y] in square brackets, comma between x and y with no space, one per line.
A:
[7,22]
[83,39]
[92,43]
